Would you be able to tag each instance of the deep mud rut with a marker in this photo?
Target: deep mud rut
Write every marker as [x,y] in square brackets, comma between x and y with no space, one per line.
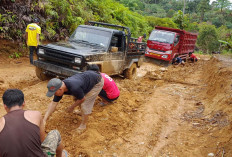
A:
[173,111]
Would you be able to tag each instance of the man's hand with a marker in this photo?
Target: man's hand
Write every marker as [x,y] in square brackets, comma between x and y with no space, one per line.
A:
[77,102]
[50,110]
[70,109]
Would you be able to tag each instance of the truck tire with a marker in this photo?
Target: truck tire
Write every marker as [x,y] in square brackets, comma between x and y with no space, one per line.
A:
[131,72]
[41,75]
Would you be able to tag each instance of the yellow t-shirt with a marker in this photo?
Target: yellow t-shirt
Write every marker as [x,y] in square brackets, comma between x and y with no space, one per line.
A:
[32,29]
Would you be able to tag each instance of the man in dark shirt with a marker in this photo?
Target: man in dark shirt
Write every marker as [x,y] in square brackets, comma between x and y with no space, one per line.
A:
[22,131]
[85,87]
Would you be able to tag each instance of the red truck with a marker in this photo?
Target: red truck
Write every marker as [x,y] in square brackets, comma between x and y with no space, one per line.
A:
[165,43]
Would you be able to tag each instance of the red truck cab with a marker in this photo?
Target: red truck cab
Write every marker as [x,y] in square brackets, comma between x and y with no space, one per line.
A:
[165,43]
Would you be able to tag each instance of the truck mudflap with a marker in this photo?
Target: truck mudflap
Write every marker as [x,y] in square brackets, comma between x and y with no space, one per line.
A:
[55,69]
[137,61]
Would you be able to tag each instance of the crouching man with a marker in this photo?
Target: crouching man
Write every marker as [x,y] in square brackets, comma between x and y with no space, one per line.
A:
[22,131]
[84,86]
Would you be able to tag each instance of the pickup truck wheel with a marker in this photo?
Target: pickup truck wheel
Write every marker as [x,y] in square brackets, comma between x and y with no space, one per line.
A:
[41,75]
[131,72]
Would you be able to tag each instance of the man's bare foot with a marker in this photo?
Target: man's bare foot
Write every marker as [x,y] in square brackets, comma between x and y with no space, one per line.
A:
[81,129]
[78,112]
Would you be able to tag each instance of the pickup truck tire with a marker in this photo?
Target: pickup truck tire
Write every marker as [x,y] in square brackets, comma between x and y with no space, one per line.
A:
[41,75]
[131,72]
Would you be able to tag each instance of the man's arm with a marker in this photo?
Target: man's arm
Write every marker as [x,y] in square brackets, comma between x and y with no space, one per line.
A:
[77,102]
[50,110]
[37,37]
[42,130]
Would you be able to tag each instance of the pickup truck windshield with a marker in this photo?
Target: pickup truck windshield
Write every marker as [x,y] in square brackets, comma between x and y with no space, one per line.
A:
[162,36]
[92,37]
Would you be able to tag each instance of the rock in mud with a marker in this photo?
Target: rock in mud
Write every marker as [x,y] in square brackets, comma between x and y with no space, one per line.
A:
[163,69]
[211,154]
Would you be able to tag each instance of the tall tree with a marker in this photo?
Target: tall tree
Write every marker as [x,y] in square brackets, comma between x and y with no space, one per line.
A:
[223,4]
[203,7]
[184,7]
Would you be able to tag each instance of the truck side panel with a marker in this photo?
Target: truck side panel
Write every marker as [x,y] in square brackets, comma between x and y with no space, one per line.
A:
[188,41]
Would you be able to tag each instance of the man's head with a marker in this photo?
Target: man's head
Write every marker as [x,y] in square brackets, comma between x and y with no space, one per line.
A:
[53,87]
[36,20]
[190,53]
[144,36]
[93,67]
[13,97]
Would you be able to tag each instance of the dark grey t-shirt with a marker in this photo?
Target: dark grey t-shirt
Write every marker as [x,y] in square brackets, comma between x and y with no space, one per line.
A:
[80,84]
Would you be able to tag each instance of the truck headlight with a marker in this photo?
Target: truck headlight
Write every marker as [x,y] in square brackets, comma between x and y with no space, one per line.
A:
[164,56]
[77,60]
[41,51]
[169,52]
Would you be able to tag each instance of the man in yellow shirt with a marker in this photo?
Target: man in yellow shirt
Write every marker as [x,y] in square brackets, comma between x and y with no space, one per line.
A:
[33,32]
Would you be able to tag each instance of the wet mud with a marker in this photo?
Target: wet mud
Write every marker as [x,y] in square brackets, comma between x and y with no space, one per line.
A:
[164,111]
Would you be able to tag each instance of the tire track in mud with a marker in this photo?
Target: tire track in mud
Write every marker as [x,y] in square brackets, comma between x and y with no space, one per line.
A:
[157,120]
[159,117]
[169,128]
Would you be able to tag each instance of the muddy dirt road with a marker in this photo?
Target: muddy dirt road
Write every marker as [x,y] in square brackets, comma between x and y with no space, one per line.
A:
[174,111]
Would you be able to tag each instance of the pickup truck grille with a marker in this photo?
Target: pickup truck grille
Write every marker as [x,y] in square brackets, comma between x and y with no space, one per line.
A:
[59,56]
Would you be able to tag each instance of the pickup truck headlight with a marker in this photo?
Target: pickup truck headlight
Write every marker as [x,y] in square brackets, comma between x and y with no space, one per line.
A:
[169,52]
[77,60]
[41,51]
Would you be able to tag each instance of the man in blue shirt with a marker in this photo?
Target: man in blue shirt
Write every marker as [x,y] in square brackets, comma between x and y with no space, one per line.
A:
[177,60]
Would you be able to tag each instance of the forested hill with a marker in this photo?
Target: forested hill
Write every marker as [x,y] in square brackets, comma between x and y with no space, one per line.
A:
[59,18]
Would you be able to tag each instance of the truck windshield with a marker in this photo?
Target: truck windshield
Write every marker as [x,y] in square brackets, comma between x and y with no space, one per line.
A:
[92,37]
[162,36]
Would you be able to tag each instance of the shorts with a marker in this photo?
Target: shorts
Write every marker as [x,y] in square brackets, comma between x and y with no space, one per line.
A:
[104,95]
[90,98]
[51,142]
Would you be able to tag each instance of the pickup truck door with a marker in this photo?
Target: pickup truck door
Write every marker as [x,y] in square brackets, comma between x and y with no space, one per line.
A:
[116,56]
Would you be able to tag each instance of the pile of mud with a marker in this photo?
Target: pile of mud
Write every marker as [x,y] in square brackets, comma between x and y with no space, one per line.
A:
[198,96]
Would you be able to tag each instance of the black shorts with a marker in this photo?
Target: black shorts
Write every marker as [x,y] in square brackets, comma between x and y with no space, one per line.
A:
[104,95]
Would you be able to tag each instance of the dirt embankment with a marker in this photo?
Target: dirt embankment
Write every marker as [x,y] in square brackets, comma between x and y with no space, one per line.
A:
[174,111]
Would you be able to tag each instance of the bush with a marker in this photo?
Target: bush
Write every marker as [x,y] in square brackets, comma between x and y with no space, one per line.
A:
[207,38]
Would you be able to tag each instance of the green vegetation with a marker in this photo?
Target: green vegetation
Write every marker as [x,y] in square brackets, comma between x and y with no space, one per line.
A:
[16,55]
[207,38]
[59,18]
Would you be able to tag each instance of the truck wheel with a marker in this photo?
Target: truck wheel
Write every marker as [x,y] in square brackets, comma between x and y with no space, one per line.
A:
[131,72]
[41,75]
